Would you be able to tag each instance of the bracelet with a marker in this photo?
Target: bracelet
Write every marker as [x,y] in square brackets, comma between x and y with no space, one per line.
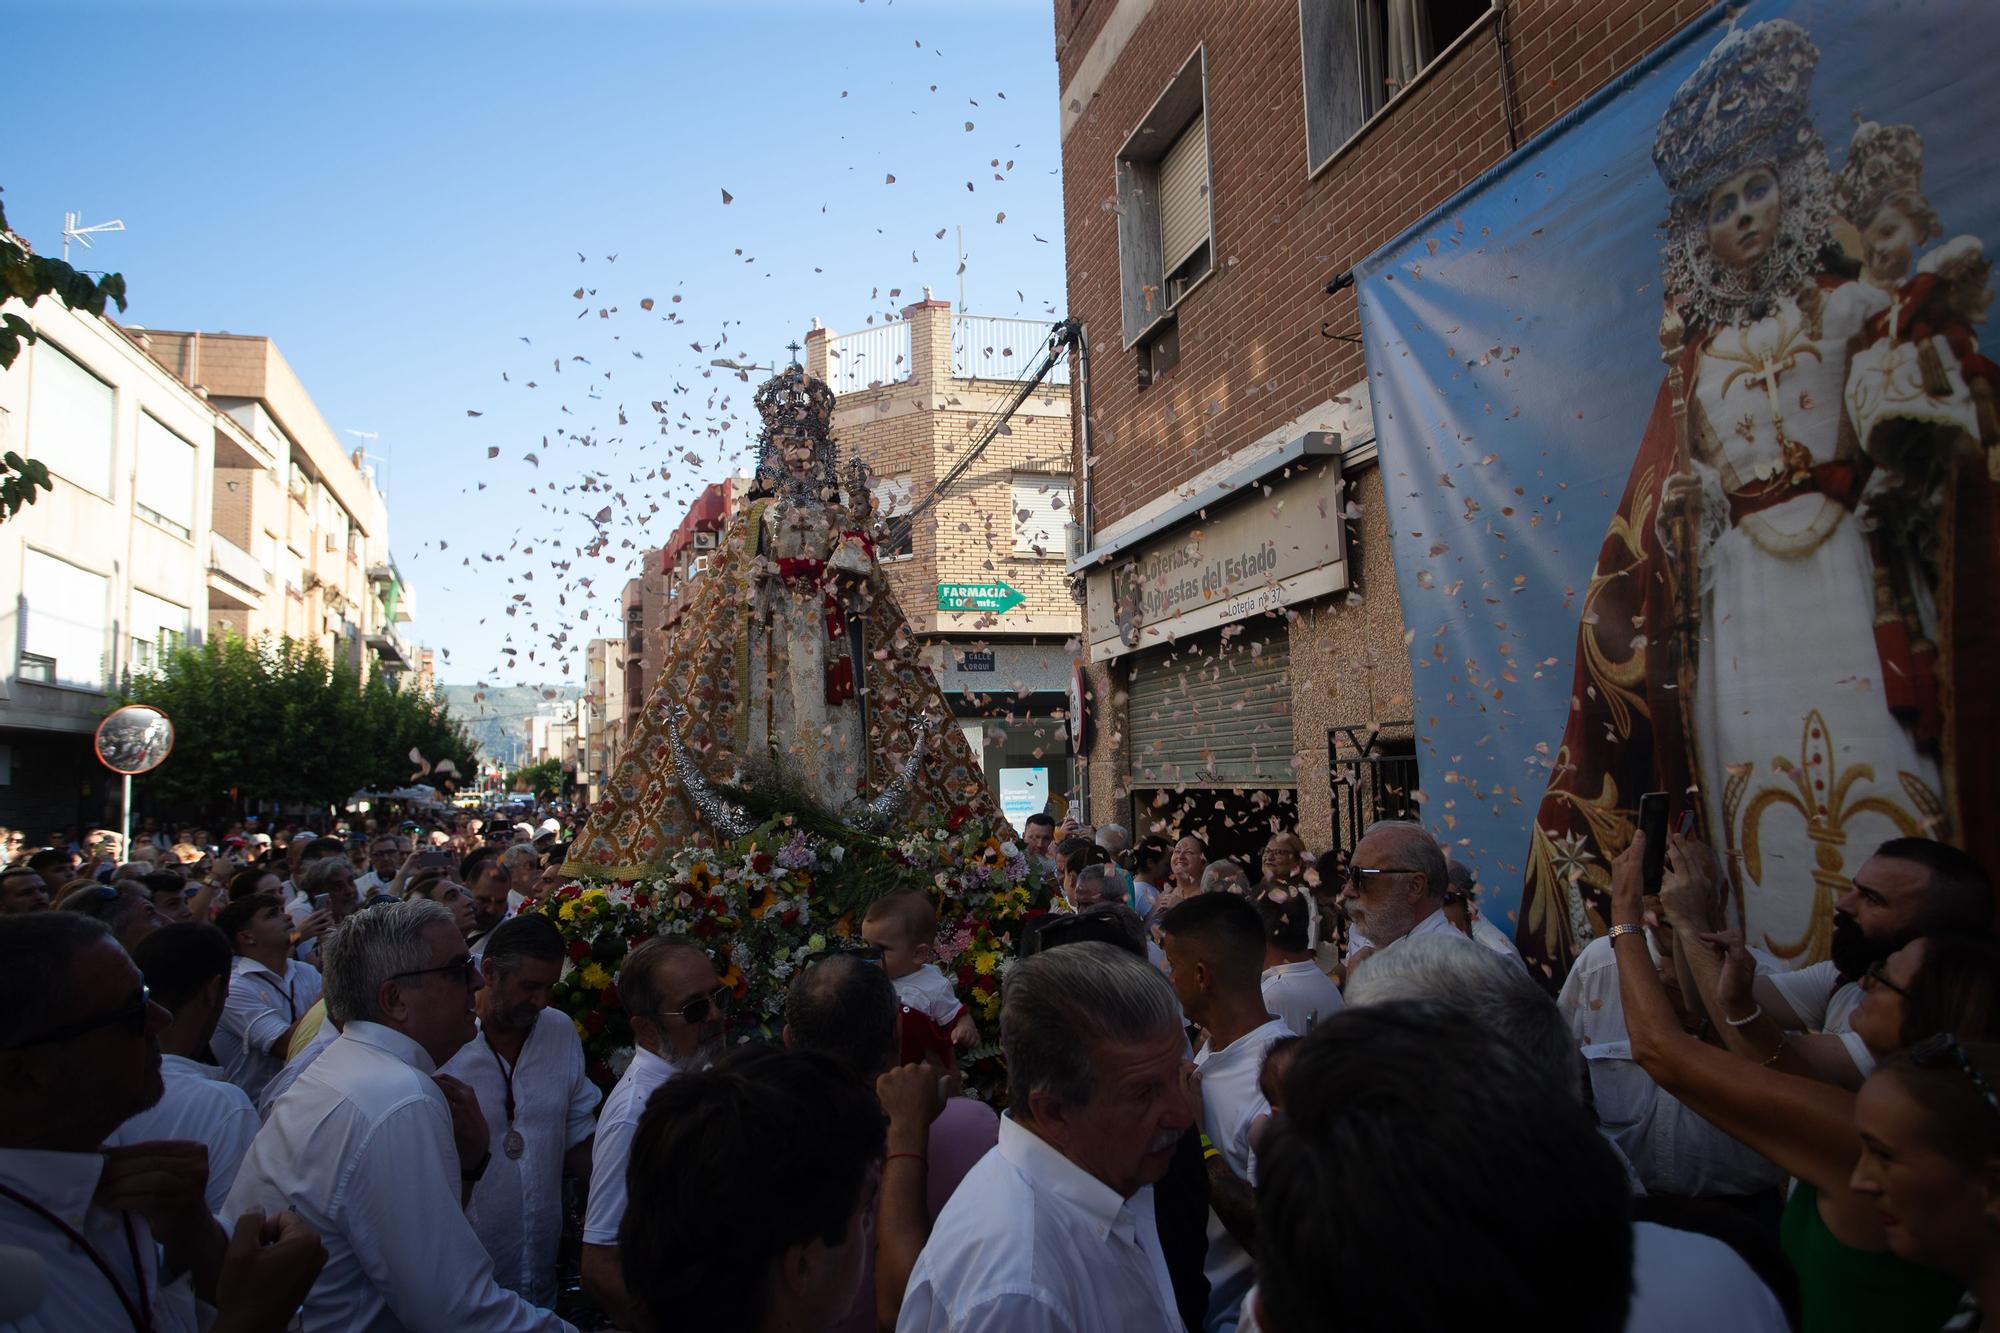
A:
[1747,1019]
[913,1156]
[1626,929]
[1208,1154]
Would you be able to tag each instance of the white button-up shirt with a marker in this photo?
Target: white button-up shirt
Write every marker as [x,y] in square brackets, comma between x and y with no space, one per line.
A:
[1231,1102]
[516,1208]
[615,1127]
[1033,1243]
[1301,994]
[199,1106]
[1819,997]
[1671,1149]
[261,1005]
[361,1148]
[74,1292]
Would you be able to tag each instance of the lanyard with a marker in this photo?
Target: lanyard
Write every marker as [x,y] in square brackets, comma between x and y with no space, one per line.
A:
[291,1002]
[506,1070]
[140,1314]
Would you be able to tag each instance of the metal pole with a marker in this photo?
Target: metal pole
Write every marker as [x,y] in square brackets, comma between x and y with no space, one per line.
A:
[125,822]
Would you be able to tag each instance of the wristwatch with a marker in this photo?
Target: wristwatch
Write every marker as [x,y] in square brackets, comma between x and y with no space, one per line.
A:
[1627,928]
[479,1169]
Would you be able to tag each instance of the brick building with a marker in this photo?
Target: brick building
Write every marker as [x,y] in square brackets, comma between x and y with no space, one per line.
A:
[651,604]
[979,573]
[1221,165]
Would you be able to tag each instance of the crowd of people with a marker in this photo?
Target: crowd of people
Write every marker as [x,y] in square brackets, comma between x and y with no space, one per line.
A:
[314,1081]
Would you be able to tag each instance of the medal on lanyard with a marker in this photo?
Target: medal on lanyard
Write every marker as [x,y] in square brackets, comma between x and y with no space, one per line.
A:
[513,1144]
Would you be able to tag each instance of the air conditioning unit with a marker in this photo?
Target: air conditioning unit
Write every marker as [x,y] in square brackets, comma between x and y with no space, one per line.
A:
[704,541]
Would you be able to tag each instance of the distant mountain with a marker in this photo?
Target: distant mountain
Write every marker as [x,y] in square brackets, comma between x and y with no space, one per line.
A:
[496,716]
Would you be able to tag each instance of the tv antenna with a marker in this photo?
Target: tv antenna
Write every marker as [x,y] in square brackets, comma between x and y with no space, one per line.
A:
[386,458]
[73,231]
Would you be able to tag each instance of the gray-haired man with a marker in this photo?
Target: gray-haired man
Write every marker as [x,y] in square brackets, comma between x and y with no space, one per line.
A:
[1054,1229]
[1396,884]
[377,1151]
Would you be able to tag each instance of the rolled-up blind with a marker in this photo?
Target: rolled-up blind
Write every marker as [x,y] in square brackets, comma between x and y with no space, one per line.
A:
[1184,196]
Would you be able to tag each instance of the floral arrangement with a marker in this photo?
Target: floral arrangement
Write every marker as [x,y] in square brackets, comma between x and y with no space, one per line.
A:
[766,904]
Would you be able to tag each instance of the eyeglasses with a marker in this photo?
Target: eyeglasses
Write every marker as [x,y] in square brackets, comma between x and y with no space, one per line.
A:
[1877,975]
[1356,874]
[1941,1047]
[460,969]
[138,1007]
[697,1010]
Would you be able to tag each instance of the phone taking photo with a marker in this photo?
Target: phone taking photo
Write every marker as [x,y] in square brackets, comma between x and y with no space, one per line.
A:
[1653,823]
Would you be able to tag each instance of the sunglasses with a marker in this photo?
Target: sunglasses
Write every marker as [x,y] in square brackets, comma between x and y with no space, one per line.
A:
[1943,1048]
[138,1007]
[1877,975]
[697,1010]
[461,969]
[1357,874]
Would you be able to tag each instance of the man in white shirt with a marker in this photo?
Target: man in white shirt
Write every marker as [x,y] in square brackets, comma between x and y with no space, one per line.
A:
[267,993]
[1461,906]
[1710,1285]
[677,1004]
[523,865]
[118,1236]
[1215,959]
[187,968]
[1038,837]
[1054,1228]
[1149,876]
[526,1068]
[1909,888]
[377,1151]
[385,858]
[1396,882]
[1294,987]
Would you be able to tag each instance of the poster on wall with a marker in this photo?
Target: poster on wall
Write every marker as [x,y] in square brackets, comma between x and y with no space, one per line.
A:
[1023,792]
[1692,453]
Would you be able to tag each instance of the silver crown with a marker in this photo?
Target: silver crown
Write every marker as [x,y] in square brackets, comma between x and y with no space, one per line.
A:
[1747,102]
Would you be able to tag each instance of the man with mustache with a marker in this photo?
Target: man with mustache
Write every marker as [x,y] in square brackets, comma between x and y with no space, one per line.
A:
[1395,888]
[1909,888]
[677,1005]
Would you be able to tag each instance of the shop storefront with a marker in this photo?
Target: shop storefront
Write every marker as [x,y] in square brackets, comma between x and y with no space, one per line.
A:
[1010,700]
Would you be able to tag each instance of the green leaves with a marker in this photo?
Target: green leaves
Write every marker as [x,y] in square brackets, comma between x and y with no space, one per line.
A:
[276,719]
[543,779]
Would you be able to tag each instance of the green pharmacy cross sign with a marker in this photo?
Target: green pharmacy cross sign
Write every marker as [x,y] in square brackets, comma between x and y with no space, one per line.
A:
[996,596]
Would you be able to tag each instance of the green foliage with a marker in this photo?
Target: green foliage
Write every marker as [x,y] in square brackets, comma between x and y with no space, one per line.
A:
[30,277]
[275,719]
[544,779]
[19,479]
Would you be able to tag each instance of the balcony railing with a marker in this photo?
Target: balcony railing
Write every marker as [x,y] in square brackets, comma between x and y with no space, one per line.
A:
[237,565]
[988,347]
[874,356]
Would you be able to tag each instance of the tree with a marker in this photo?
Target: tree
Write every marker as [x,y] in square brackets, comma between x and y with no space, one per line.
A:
[544,779]
[275,719]
[30,277]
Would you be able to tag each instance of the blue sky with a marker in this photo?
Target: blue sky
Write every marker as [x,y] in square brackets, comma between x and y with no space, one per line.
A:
[398,193]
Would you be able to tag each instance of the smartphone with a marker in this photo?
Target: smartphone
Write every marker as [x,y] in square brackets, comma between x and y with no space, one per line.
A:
[322,902]
[1653,823]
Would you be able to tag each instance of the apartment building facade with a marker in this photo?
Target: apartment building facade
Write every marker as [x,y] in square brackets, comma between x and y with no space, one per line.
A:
[604,703]
[972,540]
[1224,166]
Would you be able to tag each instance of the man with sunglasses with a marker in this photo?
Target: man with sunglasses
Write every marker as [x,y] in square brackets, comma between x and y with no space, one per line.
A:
[1395,889]
[122,1234]
[377,1150]
[677,1005]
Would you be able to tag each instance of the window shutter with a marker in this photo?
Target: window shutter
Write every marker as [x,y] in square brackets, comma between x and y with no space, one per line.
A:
[1184,195]
[71,419]
[166,474]
[66,620]
[1214,718]
[1041,510]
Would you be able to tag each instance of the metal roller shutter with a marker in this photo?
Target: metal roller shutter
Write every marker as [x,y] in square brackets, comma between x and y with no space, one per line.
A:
[1184,195]
[1197,716]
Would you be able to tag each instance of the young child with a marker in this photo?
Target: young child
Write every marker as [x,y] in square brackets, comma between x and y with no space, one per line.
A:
[903,925]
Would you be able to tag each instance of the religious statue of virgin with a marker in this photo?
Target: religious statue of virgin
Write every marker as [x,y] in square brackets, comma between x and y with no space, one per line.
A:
[792,671]
[1757,637]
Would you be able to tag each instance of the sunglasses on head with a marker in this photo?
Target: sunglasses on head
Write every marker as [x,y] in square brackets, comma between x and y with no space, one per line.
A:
[133,1014]
[1943,1050]
[697,1010]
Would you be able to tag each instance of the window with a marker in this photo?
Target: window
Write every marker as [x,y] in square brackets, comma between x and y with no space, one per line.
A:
[1159,352]
[1358,54]
[165,492]
[894,497]
[64,632]
[1165,222]
[72,423]
[1041,514]
[157,628]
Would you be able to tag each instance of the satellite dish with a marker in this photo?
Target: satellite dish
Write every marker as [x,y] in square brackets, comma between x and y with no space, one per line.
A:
[135,739]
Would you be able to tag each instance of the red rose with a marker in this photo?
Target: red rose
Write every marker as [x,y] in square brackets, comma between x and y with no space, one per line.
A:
[965,975]
[790,916]
[761,862]
[642,900]
[608,997]
[579,950]
[593,1023]
[959,814]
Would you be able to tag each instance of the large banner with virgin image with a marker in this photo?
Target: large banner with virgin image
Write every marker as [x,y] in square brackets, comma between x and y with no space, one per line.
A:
[1692,454]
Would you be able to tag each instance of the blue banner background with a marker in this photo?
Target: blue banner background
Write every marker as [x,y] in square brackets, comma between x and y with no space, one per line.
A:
[1511,341]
